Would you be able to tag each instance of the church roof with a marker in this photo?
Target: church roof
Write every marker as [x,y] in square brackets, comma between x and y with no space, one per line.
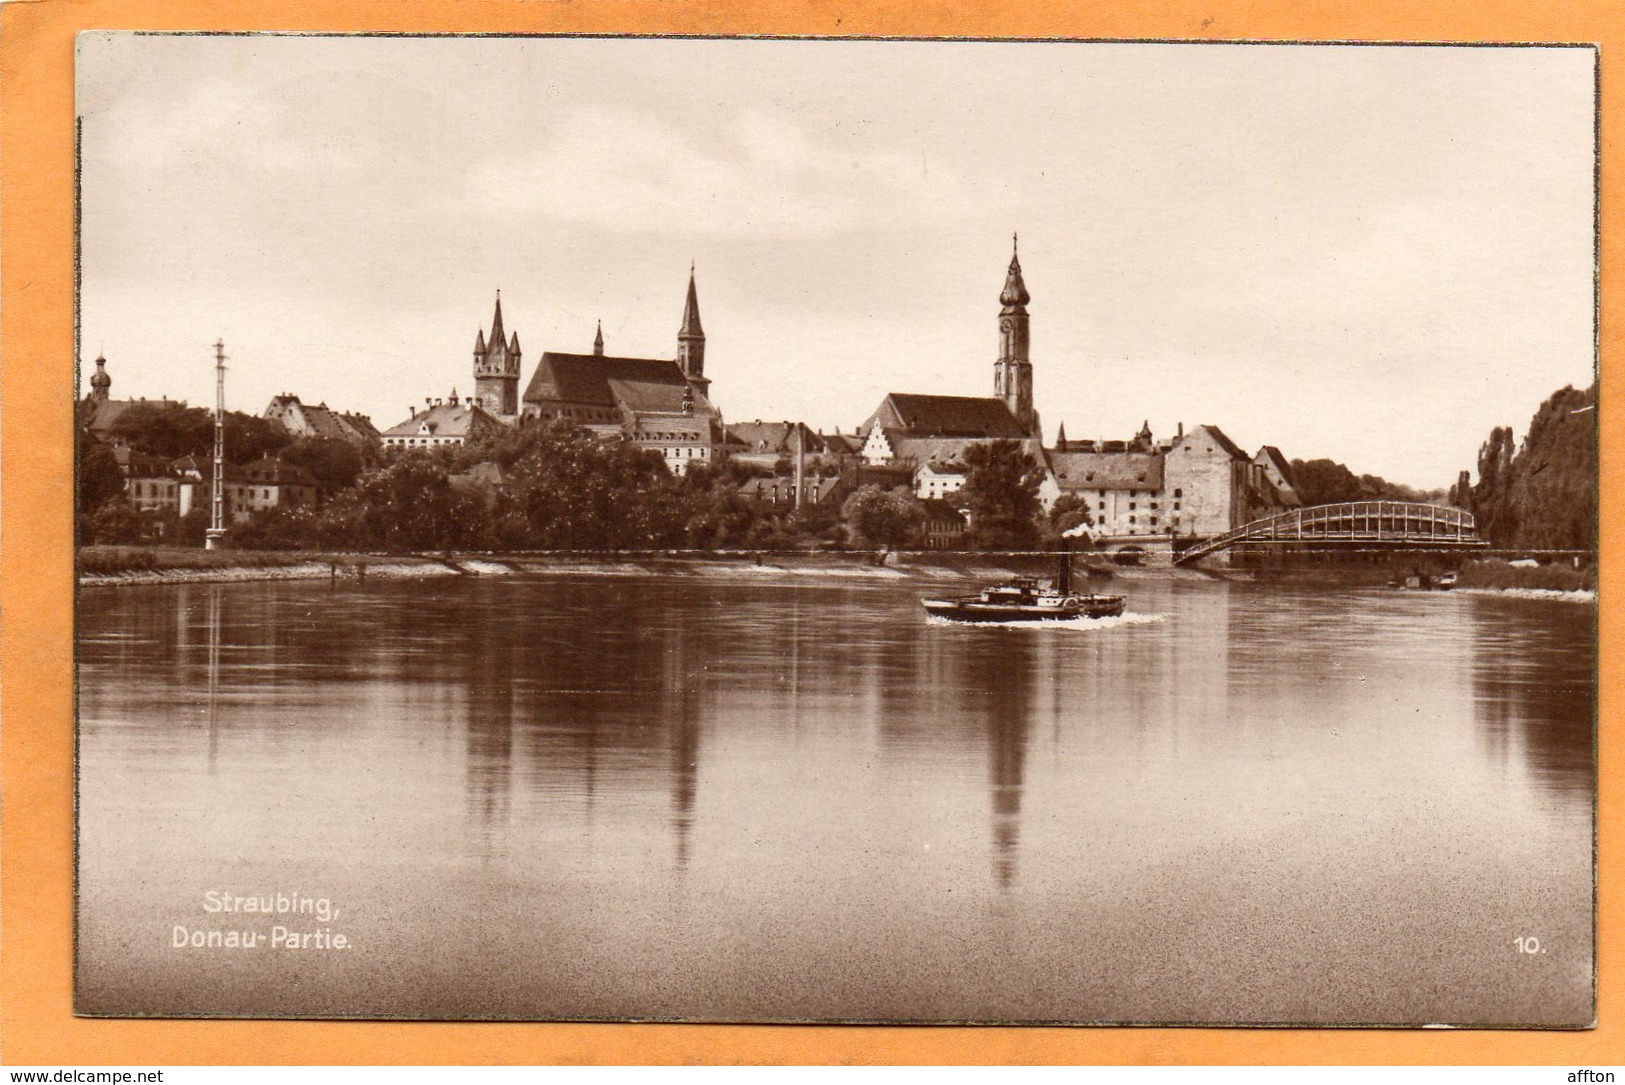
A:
[639,384]
[948,416]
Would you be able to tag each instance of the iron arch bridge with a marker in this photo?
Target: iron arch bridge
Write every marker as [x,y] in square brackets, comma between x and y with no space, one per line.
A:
[1351,525]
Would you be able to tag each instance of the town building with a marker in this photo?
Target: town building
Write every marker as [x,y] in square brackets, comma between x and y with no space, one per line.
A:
[443,423]
[781,489]
[274,483]
[937,481]
[945,524]
[195,480]
[772,444]
[1192,485]
[318,420]
[149,484]
[1282,489]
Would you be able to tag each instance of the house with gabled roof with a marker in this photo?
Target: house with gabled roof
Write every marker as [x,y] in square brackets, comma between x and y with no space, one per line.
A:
[1280,487]
[318,420]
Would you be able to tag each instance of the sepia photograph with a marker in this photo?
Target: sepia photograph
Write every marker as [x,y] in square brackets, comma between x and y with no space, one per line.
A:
[615,528]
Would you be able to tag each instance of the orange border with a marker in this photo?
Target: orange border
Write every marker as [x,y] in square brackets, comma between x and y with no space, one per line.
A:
[36,744]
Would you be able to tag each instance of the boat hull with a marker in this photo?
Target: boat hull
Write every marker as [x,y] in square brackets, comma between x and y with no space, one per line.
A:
[958,610]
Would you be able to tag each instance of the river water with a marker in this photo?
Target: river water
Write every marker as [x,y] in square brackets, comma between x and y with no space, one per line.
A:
[787,797]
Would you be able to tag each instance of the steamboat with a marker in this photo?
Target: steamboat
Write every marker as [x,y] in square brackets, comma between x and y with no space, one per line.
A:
[1028,599]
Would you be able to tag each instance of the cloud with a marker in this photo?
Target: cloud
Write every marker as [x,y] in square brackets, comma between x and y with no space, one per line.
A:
[766,176]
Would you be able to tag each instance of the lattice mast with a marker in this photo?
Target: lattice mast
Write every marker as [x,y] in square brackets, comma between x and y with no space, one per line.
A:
[217,525]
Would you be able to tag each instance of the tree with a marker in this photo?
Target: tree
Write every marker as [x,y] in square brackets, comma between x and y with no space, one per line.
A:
[1068,512]
[282,527]
[1542,495]
[1552,492]
[115,522]
[173,430]
[1325,482]
[1001,494]
[334,464]
[1491,497]
[883,518]
[410,505]
[100,479]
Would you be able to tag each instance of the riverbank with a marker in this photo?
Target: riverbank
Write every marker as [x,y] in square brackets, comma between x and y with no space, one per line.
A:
[102,566]
[110,566]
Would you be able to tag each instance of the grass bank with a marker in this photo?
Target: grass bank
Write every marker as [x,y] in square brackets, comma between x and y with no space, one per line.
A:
[1500,575]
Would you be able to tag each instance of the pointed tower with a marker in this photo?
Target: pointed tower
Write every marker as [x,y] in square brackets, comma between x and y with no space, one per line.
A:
[496,368]
[1013,373]
[598,341]
[691,338]
[100,382]
[1060,438]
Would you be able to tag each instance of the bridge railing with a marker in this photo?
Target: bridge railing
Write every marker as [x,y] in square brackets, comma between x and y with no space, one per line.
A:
[1351,521]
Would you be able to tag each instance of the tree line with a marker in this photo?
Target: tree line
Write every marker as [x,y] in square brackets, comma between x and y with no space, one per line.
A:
[1542,494]
[545,486]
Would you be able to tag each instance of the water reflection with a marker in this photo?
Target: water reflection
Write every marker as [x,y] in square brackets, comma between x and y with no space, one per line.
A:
[637,795]
[1535,691]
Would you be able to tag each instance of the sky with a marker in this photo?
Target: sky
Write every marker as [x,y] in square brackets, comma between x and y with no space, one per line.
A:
[1371,254]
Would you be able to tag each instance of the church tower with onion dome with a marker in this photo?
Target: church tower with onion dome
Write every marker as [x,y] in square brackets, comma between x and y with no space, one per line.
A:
[100,382]
[1013,372]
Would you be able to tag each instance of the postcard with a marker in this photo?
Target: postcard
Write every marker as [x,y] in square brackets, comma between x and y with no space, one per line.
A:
[836,530]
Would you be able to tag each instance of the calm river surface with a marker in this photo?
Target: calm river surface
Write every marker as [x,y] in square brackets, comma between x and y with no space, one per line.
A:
[734,797]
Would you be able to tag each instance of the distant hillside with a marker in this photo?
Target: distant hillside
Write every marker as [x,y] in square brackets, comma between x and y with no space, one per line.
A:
[1542,495]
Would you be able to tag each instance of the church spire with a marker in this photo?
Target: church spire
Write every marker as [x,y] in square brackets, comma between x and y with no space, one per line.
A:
[691,309]
[691,337]
[598,341]
[496,324]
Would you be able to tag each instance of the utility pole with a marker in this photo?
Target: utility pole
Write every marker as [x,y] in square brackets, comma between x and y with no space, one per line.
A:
[217,525]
